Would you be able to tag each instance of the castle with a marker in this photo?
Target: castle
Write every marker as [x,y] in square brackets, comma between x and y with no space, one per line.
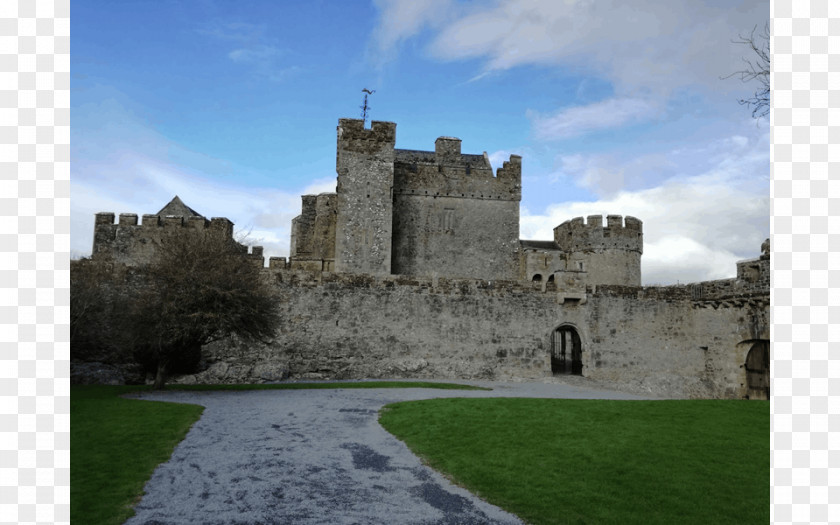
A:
[414,268]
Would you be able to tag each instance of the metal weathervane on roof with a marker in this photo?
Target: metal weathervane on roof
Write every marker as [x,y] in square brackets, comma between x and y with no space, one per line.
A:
[364,106]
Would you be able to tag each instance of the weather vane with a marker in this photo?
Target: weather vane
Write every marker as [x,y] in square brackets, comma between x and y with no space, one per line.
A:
[364,106]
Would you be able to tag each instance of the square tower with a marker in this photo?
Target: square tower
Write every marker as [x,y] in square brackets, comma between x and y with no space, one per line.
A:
[365,167]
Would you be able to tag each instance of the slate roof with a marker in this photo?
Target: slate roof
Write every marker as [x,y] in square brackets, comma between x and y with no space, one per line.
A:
[177,208]
[538,245]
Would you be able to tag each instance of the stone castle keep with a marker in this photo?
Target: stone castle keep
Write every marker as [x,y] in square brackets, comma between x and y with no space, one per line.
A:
[414,268]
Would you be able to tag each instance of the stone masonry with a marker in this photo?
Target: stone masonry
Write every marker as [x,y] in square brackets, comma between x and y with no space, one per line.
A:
[414,268]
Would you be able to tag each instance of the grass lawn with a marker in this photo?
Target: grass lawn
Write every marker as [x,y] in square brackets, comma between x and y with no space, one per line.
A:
[117,443]
[585,461]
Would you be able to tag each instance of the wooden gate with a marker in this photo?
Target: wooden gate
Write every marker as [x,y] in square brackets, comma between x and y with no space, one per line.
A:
[758,370]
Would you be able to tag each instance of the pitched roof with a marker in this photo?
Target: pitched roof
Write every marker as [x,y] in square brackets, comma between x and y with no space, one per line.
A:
[177,208]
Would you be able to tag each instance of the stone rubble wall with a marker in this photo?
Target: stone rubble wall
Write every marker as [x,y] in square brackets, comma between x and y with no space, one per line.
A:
[365,167]
[341,326]
[135,244]
[575,235]
[452,216]
[455,237]
[313,232]
[416,175]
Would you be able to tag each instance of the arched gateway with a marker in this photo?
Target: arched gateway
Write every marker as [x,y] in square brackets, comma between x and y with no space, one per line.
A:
[566,351]
[758,370]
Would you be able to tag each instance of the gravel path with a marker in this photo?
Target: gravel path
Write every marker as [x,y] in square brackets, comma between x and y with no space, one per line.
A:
[314,456]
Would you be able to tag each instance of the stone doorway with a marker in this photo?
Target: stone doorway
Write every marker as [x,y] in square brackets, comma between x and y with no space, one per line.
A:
[566,352]
[758,370]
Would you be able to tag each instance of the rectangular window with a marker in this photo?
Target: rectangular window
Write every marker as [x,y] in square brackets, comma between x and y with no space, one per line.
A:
[448,219]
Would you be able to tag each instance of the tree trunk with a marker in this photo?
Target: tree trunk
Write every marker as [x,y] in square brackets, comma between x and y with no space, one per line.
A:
[160,376]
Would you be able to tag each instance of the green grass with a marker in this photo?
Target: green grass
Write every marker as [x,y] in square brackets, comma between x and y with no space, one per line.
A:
[585,461]
[116,443]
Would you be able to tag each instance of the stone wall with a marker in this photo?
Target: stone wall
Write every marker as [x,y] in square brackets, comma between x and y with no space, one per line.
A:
[133,244]
[365,167]
[538,260]
[456,237]
[313,233]
[672,347]
[452,216]
[349,310]
[341,326]
[351,326]
[756,272]
[424,173]
[609,254]
[443,212]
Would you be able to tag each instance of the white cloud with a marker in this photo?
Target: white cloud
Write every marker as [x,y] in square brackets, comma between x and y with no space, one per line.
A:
[590,172]
[605,174]
[743,157]
[264,213]
[697,224]
[256,48]
[638,44]
[257,54]
[580,120]
[679,259]
[694,230]
[403,19]
[146,185]
[123,166]
[498,158]
[235,31]
[320,186]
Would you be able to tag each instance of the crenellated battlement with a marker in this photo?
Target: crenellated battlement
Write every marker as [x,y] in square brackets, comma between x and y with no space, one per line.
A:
[134,243]
[353,128]
[446,172]
[451,214]
[511,169]
[353,136]
[624,234]
[150,220]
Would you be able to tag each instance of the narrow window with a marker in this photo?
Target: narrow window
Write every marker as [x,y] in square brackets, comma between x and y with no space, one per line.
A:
[448,219]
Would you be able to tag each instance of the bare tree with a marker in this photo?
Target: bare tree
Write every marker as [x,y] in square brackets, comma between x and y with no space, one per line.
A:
[757,68]
[200,288]
[98,310]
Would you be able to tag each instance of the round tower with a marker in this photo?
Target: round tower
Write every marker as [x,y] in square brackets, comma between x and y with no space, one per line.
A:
[607,255]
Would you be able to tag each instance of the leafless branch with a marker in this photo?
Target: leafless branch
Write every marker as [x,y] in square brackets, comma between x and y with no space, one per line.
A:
[757,68]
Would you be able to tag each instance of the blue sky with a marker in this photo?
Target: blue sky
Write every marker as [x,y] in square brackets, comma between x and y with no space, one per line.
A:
[617,107]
